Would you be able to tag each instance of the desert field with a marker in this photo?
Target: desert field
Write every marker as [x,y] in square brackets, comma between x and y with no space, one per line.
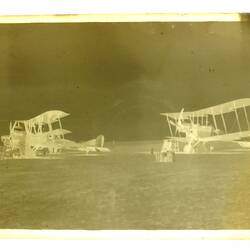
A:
[127,189]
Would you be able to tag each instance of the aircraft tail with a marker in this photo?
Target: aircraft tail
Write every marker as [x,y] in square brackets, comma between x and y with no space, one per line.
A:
[100,141]
[96,145]
[100,144]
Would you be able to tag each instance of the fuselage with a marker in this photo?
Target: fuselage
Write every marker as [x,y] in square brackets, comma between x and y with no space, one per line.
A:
[196,130]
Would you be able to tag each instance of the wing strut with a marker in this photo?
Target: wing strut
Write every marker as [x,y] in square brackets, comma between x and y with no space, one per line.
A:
[169,125]
[237,117]
[245,111]
[215,123]
[60,125]
[195,119]
[176,129]
[224,123]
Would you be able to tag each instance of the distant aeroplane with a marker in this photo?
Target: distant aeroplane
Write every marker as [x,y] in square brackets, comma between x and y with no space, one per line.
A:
[44,135]
[202,126]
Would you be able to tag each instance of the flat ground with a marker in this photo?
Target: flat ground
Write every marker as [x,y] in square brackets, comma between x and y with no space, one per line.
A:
[124,190]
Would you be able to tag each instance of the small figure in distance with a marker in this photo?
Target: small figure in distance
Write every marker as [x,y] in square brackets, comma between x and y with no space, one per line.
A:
[152,152]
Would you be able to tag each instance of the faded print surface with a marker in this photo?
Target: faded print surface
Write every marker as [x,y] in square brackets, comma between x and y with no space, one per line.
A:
[115,79]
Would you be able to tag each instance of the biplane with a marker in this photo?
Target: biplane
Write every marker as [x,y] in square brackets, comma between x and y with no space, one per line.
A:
[226,122]
[44,135]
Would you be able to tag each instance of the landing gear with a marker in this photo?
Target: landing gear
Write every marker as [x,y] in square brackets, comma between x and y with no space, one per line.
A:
[191,148]
[188,148]
[42,152]
[6,153]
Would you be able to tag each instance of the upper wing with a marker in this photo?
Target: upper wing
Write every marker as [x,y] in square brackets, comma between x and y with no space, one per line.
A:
[214,110]
[48,117]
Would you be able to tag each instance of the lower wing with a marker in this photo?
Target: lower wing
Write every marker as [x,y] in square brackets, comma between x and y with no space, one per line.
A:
[226,137]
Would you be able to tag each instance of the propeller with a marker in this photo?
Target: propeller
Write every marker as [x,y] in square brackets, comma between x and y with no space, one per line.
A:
[178,124]
[180,118]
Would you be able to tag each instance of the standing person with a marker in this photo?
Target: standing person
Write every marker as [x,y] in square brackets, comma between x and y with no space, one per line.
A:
[152,152]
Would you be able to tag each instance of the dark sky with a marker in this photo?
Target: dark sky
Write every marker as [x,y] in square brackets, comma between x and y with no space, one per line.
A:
[115,78]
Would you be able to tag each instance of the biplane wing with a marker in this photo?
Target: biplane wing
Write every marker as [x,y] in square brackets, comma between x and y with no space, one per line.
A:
[179,139]
[226,137]
[214,110]
[48,117]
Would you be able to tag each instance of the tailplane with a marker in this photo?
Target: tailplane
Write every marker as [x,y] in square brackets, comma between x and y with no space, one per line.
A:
[98,142]
[94,145]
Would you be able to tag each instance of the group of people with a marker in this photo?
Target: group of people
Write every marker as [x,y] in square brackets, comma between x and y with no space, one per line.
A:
[167,153]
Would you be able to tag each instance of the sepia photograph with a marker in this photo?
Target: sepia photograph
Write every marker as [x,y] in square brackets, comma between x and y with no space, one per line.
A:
[125,125]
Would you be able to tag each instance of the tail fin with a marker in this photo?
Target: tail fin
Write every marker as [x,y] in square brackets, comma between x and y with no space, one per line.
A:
[100,141]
